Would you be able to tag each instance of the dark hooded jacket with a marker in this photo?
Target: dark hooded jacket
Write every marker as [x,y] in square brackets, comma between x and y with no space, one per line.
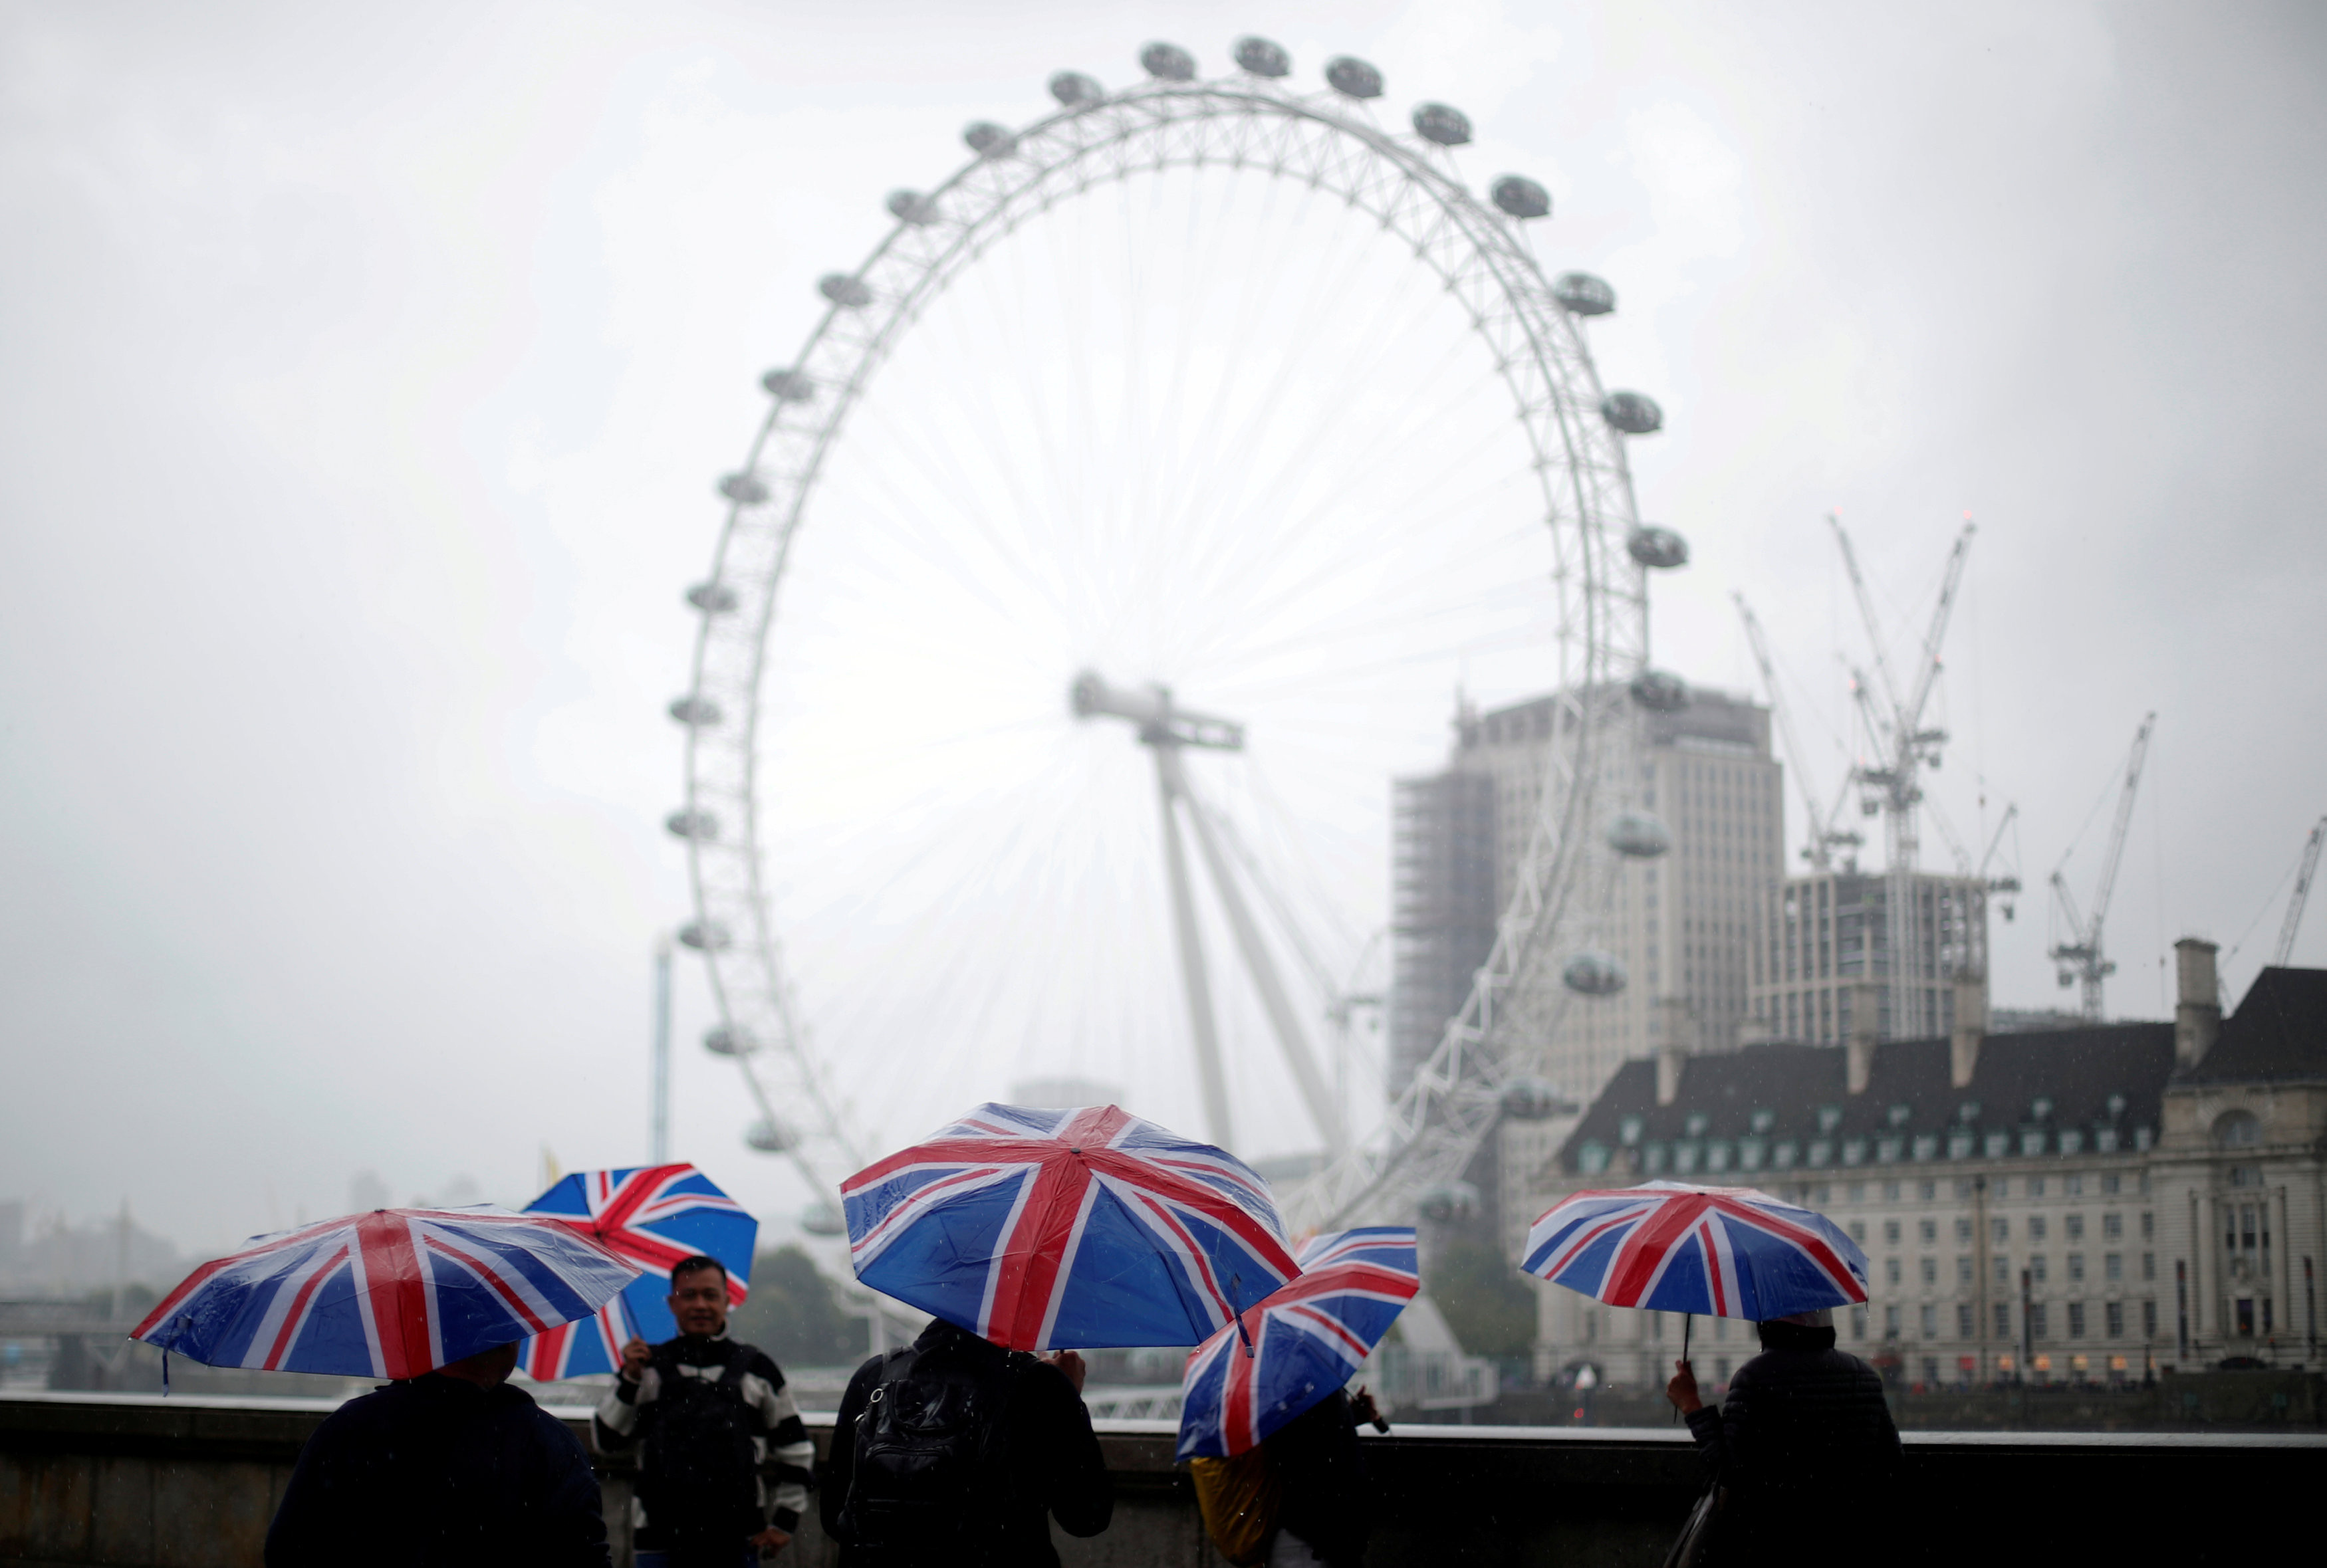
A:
[1326,1504]
[439,1474]
[1805,1438]
[1056,1470]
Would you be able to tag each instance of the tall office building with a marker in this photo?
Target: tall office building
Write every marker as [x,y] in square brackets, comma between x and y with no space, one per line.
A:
[1682,924]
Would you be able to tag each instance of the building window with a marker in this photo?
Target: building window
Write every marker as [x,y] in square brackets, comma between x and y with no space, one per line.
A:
[1890,1322]
[1890,1271]
[2036,1228]
[2113,1266]
[2112,1183]
[1930,1191]
[1891,1231]
[2001,1272]
[2148,1223]
[2037,1327]
[1963,1230]
[2243,1314]
[2076,1265]
[1857,1322]
[1963,1320]
[1930,1271]
[1858,1231]
[2149,1319]
[2035,1186]
[2004,1320]
[2114,1316]
[2036,1270]
[2000,1229]
[2076,1223]
[2075,1319]
[2073,1184]
[1929,1231]
[2149,1265]
[2112,1228]
[1930,1326]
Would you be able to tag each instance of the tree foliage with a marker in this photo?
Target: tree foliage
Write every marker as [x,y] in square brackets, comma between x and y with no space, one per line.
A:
[1483,1299]
[794,1314]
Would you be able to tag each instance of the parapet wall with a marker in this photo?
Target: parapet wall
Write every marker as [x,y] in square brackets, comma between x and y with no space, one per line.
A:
[191,1483]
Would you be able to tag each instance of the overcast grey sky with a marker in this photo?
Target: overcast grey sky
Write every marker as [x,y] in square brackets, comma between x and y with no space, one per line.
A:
[368,369]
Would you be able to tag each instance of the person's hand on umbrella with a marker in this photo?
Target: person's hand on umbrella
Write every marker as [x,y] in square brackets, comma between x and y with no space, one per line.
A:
[635,1357]
[1070,1363]
[1362,1409]
[1682,1390]
[770,1542]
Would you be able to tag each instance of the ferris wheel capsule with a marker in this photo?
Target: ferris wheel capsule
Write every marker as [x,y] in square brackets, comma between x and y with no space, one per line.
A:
[844,290]
[1354,78]
[695,712]
[1533,1099]
[1168,62]
[911,207]
[1448,1202]
[748,490]
[822,1219]
[770,1136]
[1654,547]
[988,140]
[1520,197]
[1594,973]
[712,598]
[1072,87]
[700,825]
[1443,124]
[1584,294]
[1659,691]
[726,1039]
[1638,835]
[789,387]
[1262,57]
[706,936]
[1633,413]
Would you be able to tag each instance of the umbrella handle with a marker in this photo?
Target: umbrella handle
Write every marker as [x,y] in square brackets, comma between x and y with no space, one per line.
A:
[1688,1322]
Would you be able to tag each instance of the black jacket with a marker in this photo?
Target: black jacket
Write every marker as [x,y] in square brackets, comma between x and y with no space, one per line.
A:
[1804,1434]
[1326,1504]
[439,1474]
[1058,1470]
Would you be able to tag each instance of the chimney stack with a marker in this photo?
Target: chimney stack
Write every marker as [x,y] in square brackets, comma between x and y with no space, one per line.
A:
[2198,1006]
[1669,1018]
[1971,1026]
[1865,1026]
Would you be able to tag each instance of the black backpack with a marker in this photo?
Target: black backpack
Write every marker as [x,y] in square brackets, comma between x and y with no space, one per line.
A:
[700,1470]
[932,1479]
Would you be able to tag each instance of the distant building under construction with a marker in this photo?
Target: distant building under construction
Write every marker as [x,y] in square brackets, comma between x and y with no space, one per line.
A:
[1834,962]
[1682,925]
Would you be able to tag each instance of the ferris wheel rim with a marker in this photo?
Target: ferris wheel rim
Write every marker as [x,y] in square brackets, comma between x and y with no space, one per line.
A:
[1489,243]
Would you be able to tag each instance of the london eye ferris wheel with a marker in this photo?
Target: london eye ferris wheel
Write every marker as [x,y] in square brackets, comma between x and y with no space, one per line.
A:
[1199,398]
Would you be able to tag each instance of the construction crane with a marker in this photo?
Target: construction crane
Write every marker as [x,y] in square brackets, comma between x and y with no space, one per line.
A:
[2301,896]
[2082,957]
[1894,785]
[2008,883]
[1823,837]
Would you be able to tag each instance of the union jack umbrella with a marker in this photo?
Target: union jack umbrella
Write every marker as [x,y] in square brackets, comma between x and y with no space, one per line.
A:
[1298,1346]
[391,1293]
[1723,1251]
[654,1216]
[1043,1228]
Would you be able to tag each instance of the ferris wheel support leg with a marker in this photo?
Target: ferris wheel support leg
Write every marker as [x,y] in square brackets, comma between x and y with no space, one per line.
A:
[1170,786]
[1282,1019]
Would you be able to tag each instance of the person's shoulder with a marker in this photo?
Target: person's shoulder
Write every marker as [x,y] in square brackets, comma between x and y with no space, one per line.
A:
[757,1362]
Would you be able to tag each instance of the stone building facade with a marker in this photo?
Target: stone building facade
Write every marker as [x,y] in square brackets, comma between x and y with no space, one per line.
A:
[2079,1204]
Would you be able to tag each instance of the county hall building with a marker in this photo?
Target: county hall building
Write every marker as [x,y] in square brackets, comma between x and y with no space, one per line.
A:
[2064,1205]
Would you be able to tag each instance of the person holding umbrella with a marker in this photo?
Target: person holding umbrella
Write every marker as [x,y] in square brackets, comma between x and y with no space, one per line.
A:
[710,1414]
[1022,1229]
[1806,1431]
[447,1464]
[1805,1428]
